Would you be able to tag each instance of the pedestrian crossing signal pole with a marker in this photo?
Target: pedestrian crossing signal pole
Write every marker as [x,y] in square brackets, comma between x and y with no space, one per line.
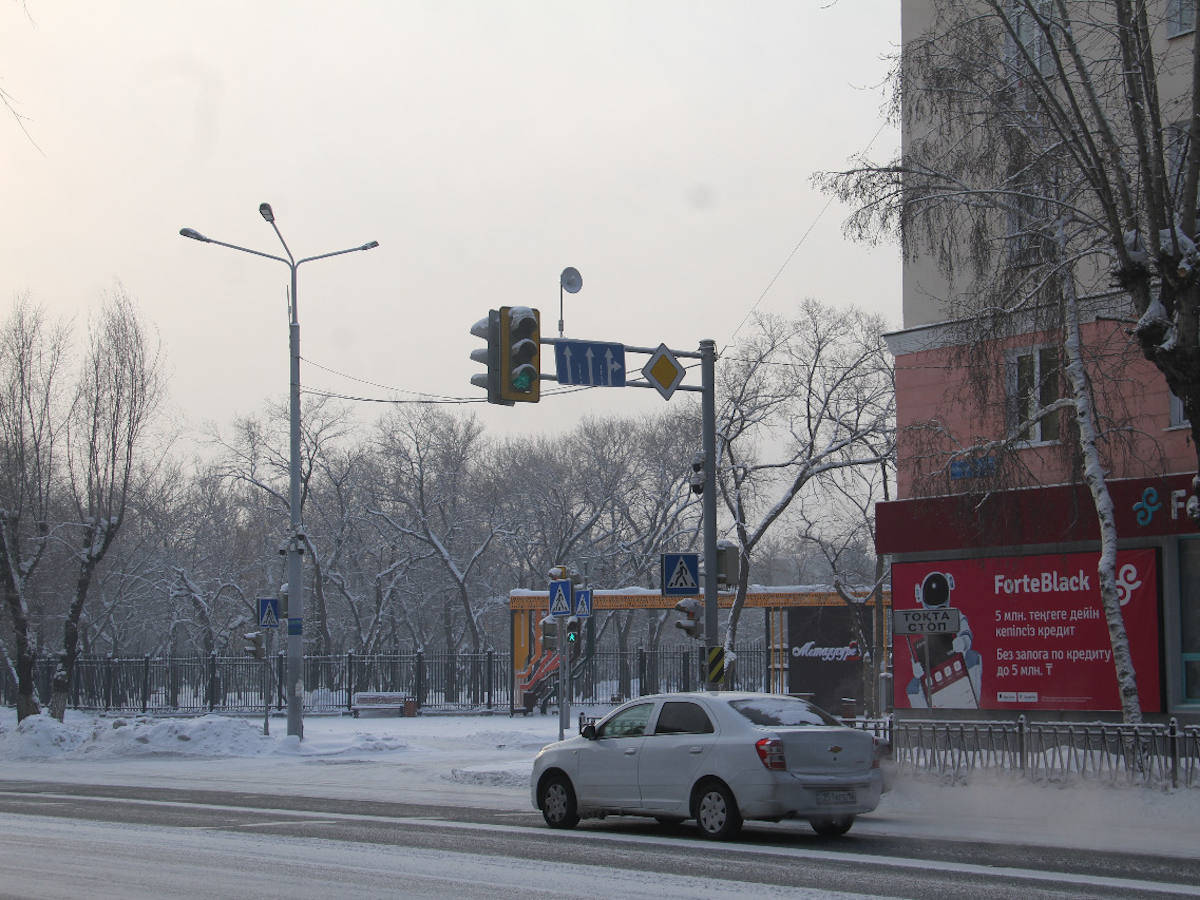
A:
[708,411]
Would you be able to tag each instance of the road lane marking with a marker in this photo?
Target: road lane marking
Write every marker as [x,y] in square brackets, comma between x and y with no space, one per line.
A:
[898,862]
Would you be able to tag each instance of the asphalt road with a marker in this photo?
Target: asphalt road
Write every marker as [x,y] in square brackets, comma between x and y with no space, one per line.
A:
[60,840]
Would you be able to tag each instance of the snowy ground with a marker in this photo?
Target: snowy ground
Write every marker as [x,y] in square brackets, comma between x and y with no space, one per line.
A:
[485,761]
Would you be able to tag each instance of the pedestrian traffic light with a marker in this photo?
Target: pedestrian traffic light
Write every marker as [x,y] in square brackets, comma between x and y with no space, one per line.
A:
[549,633]
[573,625]
[489,330]
[520,361]
[255,644]
[690,623]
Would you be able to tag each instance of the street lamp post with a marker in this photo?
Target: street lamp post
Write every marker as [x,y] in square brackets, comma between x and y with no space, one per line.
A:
[295,547]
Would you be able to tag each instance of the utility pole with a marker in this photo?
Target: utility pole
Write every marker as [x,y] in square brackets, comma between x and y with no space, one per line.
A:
[708,413]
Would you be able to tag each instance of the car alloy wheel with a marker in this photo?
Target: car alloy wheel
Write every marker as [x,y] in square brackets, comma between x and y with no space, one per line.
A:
[558,803]
[717,812]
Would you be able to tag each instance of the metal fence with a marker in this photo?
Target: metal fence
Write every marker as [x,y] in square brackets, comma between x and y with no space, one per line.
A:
[1158,755]
[438,682]
[238,684]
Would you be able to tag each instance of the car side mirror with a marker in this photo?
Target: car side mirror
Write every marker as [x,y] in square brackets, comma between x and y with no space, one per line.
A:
[588,731]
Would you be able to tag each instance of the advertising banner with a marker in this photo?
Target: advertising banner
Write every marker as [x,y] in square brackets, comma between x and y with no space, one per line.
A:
[824,658]
[1031,633]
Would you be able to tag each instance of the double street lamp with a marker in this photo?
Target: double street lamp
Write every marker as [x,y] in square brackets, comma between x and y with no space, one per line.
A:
[295,545]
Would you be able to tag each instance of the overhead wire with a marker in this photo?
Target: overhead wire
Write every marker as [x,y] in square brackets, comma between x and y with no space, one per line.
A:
[424,397]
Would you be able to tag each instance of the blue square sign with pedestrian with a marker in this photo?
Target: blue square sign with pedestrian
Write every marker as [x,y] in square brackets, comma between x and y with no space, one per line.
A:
[680,574]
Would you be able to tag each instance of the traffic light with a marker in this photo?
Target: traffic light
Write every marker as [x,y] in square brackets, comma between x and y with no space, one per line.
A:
[489,330]
[573,625]
[255,644]
[520,360]
[728,559]
[696,479]
[549,634]
[690,623]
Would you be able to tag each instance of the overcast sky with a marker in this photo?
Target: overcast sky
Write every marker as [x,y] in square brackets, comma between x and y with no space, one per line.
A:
[664,149]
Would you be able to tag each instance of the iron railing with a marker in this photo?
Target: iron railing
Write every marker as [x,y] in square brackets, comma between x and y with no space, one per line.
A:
[436,681]
[1159,755]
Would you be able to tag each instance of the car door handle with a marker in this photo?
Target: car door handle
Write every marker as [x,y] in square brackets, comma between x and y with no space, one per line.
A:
[631,751]
[695,750]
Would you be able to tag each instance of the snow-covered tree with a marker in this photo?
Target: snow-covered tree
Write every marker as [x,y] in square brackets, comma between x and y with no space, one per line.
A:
[32,418]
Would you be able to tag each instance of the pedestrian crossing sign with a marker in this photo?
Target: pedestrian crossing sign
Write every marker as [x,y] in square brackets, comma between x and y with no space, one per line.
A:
[560,598]
[268,612]
[680,574]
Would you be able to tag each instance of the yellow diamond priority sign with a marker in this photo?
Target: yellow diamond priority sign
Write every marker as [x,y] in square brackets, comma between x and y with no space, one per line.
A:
[663,371]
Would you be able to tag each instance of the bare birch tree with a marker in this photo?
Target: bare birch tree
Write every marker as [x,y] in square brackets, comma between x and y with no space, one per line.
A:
[108,454]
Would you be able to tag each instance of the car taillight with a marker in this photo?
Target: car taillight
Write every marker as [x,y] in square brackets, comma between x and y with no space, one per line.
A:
[770,751]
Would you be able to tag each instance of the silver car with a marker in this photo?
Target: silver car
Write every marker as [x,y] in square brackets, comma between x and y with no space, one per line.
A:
[718,758]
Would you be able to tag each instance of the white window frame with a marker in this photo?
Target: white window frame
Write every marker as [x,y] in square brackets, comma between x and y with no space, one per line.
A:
[1046,430]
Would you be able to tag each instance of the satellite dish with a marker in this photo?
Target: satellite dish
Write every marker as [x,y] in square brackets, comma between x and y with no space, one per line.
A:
[570,280]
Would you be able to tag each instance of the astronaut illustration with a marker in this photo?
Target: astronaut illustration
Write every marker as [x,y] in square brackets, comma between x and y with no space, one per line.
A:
[946,671]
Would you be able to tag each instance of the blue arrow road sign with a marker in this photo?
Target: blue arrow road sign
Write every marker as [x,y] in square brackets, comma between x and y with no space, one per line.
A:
[583,603]
[680,574]
[268,612]
[594,363]
[560,598]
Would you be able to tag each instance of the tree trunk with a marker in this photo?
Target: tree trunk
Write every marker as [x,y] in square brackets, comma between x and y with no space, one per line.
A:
[27,704]
[61,686]
[1093,473]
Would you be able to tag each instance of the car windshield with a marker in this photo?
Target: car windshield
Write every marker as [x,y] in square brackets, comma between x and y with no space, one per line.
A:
[782,711]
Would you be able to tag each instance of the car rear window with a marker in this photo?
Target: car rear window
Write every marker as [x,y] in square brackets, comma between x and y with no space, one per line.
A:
[786,712]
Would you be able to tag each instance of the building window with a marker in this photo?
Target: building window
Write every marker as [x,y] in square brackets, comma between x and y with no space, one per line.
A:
[1181,17]
[1178,417]
[1027,220]
[1029,32]
[1034,382]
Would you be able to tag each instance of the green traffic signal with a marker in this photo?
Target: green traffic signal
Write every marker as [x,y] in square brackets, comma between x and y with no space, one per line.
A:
[520,361]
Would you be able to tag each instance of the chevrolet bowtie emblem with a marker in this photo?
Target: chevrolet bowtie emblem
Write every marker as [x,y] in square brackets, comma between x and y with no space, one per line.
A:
[835,749]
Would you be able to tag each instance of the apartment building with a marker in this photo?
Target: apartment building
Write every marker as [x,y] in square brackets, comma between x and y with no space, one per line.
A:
[994,531]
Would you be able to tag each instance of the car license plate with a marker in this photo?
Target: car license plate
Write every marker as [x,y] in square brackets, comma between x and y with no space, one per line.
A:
[836,798]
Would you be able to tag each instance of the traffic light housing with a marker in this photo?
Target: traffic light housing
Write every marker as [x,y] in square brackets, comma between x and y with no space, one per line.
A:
[549,634]
[696,479]
[520,357]
[489,330]
[728,560]
[690,623]
[573,625]
[256,644]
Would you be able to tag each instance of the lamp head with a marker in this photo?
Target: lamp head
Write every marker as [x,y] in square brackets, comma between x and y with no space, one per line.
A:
[194,235]
[370,246]
[264,209]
